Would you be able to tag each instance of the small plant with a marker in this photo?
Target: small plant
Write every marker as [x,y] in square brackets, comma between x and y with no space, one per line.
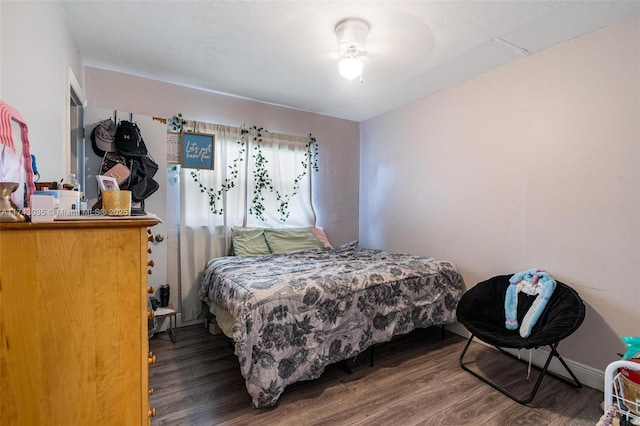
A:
[177,122]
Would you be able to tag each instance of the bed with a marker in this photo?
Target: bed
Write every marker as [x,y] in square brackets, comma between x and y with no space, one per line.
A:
[292,314]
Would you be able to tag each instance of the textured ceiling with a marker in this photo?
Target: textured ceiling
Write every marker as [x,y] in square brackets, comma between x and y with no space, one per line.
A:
[285,52]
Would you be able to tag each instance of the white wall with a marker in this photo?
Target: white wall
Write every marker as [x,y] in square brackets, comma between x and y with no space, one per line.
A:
[536,164]
[36,50]
[335,187]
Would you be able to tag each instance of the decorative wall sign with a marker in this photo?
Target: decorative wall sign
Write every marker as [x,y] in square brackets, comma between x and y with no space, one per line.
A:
[197,151]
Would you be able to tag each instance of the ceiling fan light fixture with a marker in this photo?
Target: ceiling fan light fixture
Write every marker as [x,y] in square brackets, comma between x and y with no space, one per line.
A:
[351,34]
[350,68]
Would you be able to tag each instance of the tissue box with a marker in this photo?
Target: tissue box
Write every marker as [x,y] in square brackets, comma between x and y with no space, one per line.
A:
[42,208]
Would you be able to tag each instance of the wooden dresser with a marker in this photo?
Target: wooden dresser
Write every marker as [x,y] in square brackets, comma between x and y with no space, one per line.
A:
[74,346]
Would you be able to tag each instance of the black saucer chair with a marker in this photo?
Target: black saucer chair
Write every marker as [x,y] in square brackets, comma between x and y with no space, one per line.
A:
[481,310]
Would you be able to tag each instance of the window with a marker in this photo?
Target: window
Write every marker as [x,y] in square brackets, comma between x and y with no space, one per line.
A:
[260,179]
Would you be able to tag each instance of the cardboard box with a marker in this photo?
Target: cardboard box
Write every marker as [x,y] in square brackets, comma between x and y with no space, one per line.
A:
[631,395]
[632,374]
[213,328]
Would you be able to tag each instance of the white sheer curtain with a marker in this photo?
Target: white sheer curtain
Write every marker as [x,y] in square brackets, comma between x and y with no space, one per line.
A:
[202,233]
[205,235]
[286,160]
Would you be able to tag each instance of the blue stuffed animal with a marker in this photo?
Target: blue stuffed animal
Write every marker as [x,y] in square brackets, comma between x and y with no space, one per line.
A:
[534,282]
[634,347]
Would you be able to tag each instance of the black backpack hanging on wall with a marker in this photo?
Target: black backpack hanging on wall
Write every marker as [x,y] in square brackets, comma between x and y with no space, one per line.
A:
[130,144]
[141,183]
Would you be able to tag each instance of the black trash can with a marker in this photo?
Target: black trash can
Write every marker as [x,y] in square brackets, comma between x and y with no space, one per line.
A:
[165,292]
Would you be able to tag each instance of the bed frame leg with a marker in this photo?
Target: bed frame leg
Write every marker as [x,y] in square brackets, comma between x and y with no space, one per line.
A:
[345,366]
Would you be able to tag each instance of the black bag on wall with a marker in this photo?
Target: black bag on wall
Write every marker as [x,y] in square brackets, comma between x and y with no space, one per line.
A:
[143,189]
[141,183]
[131,164]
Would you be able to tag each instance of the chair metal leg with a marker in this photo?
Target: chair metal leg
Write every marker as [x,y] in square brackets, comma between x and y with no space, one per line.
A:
[576,383]
[172,328]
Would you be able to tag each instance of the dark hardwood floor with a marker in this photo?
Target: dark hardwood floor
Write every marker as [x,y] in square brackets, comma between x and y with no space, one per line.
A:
[415,380]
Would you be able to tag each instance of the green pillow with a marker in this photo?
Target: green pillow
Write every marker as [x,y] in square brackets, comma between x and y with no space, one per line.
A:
[249,242]
[288,240]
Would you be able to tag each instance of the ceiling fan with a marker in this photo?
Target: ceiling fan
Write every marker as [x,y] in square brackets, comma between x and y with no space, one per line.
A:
[351,34]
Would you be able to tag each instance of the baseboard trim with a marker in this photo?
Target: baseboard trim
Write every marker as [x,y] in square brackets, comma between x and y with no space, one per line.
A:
[587,375]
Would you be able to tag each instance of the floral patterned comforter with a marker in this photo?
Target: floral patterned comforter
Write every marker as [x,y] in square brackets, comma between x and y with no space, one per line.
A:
[299,312]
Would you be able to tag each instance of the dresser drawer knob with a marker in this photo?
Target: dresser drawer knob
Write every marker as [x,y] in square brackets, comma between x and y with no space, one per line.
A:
[151,314]
[152,412]
[150,391]
[151,263]
[151,290]
[152,360]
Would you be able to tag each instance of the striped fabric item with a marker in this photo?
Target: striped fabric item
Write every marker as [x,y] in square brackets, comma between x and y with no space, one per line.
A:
[9,171]
[6,137]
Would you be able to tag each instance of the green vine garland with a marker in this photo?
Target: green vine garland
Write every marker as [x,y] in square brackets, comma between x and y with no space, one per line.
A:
[214,195]
[261,177]
[263,182]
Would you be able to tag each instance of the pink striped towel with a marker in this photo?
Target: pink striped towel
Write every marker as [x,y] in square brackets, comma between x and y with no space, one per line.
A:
[9,171]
